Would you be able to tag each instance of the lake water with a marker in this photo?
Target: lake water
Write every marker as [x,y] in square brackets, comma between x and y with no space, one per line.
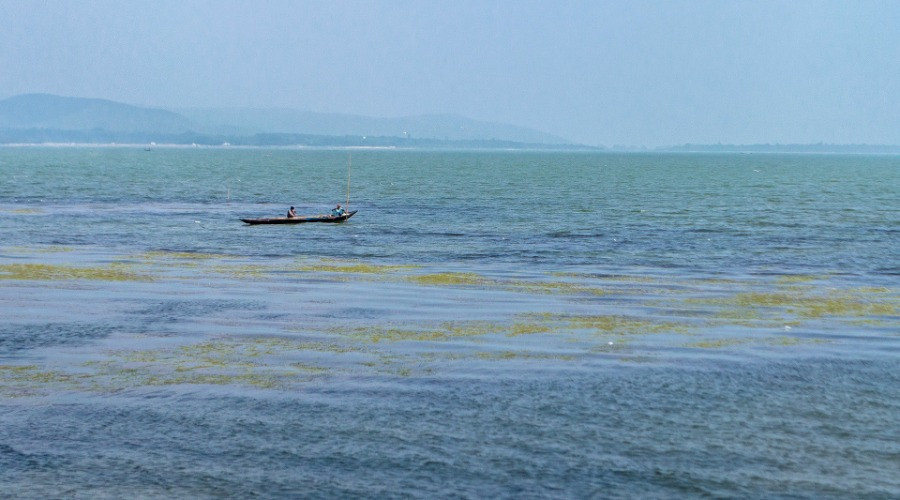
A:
[507,324]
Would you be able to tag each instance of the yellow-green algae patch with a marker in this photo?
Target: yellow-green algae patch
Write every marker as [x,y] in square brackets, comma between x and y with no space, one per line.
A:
[354,267]
[598,324]
[782,341]
[764,299]
[46,272]
[165,255]
[445,331]
[306,368]
[719,343]
[528,329]
[620,278]
[845,305]
[330,347]
[17,368]
[869,289]
[32,376]
[520,286]
[451,279]
[620,325]
[244,271]
[258,362]
[180,260]
[609,347]
[799,278]
[717,281]
[215,264]
[550,287]
[804,303]
[40,249]
[493,356]
[511,355]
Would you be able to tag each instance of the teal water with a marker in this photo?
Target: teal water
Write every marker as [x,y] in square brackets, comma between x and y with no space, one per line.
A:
[489,323]
[798,213]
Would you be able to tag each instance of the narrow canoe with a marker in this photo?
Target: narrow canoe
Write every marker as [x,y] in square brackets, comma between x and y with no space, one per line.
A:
[301,219]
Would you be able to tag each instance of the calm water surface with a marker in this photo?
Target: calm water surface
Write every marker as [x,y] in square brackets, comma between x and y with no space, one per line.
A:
[520,325]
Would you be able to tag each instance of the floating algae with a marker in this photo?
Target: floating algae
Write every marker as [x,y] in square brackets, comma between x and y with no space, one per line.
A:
[39,250]
[848,305]
[166,255]
[259,363]
[719,343]
[780,341]
[279,363]
[303,367]
[443,332]
[18,379]
[618,278]
[609,347]
[527,325]
[550,287]
[519,286]
[764,299]
[255,271]
[511,355]
[619,325]
[472,328]
[378,334]
[595,324]
[869,289]
[717,281]
[528,329]
[804,304]
[452,279]
[47,272]
[355,267]
[330,347]
[799,278]
[243,271]
[216,264]
[632,285]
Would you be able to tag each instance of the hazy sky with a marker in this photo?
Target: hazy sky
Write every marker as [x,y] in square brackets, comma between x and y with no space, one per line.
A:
[597,72]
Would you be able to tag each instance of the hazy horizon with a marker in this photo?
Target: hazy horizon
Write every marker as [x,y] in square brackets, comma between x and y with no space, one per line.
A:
[598,73]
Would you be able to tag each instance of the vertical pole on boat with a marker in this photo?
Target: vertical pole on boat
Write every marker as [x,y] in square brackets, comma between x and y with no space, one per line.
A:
[349,161]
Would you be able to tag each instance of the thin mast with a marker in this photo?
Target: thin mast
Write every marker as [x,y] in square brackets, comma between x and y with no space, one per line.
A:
[349,161]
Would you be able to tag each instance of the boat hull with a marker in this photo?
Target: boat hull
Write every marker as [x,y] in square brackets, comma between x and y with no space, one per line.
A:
[302,219]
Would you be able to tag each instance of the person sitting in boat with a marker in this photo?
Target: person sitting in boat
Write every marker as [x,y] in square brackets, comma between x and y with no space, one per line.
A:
[337,211]
[291,213]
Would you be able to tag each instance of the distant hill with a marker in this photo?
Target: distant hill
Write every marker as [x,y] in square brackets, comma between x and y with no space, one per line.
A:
[44,118]
[290,121]
[49,112]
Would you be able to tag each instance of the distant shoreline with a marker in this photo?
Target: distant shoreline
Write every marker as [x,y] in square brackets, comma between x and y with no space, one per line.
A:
[305,141]
[783,148]
[736,150]
[298,147]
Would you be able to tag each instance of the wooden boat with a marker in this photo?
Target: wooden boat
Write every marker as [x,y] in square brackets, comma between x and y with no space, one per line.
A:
[309,218]
[301,219]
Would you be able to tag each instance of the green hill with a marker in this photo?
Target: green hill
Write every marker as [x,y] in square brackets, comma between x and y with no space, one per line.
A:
[49,112]
[44,118]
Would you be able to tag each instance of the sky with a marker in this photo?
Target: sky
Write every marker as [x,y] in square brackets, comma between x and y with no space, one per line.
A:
[597,72]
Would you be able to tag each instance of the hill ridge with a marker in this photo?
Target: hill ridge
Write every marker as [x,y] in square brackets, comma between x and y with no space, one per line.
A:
[85,117]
